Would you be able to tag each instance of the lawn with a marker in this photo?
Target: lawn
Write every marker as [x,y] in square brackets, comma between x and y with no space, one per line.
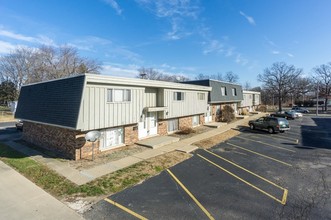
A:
[62,188]
[6,116]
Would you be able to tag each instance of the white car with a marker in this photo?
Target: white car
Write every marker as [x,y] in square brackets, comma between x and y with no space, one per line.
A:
[297,114]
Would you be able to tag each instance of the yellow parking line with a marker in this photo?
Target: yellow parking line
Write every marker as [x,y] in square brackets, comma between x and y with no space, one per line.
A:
[262,155]
[125,209]
[248,183]
[248,171]
[271,145]
[191,195]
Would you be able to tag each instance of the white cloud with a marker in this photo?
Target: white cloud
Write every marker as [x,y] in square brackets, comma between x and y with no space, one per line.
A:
[114,5]
[275,52]
[290,55]
[248,18]
[212,46]
[6,47]
[181,14]
[230,52]
[241,60]
[171,8]
[12,35]
[40,39]
[130,71]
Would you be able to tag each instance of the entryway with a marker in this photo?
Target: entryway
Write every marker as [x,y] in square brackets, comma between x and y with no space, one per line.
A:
[148,126]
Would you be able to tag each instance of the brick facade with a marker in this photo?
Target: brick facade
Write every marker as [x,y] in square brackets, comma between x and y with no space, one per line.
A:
[130,134]
[53,138]
[185,122]
[162,128]
[70,143]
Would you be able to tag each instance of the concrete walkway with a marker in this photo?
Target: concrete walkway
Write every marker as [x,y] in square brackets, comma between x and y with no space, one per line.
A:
[84,176]
[22,199]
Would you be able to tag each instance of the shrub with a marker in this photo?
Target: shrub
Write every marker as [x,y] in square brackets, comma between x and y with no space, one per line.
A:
[185,130]
[244,111]
[262,108]
[227,114]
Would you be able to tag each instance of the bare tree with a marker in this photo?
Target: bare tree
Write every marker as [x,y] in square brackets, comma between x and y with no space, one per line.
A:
[279,78]
[152,74]
[28,65]
[247,86]
[323,77]
[17,66]
[231,77]
[301,87]
[201,76]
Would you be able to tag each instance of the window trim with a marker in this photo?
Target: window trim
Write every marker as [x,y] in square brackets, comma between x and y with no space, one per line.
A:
[201,96]
[175,96]
[234,92]
[225,92]
[111,98]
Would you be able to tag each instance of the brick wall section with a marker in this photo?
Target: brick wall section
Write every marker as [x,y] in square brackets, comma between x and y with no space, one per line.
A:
[162,128]
[70,143]
[52,138]
[185,122]
[202,119]
[130,134]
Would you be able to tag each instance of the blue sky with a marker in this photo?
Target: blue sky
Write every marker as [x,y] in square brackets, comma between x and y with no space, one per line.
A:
[185,37]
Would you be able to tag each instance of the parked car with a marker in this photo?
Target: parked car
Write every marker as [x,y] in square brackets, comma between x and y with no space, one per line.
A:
[284,114]
[19,125]
[297,114]
[301,110]
[272,124]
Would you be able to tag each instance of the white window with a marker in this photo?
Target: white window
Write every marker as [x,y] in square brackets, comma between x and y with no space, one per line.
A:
[178,96]
[234,92]
[223,91]
[118,95]
[195,120]
[201,96]
[111,138]
[172,125]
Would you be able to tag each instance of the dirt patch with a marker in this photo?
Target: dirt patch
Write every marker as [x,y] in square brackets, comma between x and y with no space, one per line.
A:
[197,130]
[113,155]
[210,142]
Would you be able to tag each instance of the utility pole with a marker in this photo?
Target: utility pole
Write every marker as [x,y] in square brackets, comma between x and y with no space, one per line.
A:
[317,98]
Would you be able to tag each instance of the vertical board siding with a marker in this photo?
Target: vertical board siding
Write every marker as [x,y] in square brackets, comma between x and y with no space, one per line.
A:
[150,97]
[97,113]
[189,106]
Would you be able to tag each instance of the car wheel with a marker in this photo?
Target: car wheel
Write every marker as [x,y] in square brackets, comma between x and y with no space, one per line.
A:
[281,131]
[270,130]
[251,126]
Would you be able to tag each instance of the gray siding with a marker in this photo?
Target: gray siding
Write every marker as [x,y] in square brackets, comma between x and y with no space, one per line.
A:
[54,102]
[215,95]
[97,113]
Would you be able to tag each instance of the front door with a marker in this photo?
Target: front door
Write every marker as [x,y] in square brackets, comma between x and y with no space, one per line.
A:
[208,114]
[148,127]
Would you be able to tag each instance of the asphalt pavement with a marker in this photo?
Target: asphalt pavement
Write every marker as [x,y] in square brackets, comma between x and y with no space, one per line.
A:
[254,175]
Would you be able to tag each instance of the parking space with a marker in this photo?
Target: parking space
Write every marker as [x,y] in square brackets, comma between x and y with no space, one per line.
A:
[255,175]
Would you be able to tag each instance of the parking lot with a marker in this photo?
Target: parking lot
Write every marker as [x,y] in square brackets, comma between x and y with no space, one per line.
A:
[255,175]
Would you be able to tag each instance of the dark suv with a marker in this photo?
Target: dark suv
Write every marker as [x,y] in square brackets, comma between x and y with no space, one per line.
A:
[272,124]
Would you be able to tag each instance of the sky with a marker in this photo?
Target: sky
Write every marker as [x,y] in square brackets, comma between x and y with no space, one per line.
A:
[185,37]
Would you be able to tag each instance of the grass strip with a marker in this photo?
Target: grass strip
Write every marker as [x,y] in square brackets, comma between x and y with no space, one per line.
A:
[59,186]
